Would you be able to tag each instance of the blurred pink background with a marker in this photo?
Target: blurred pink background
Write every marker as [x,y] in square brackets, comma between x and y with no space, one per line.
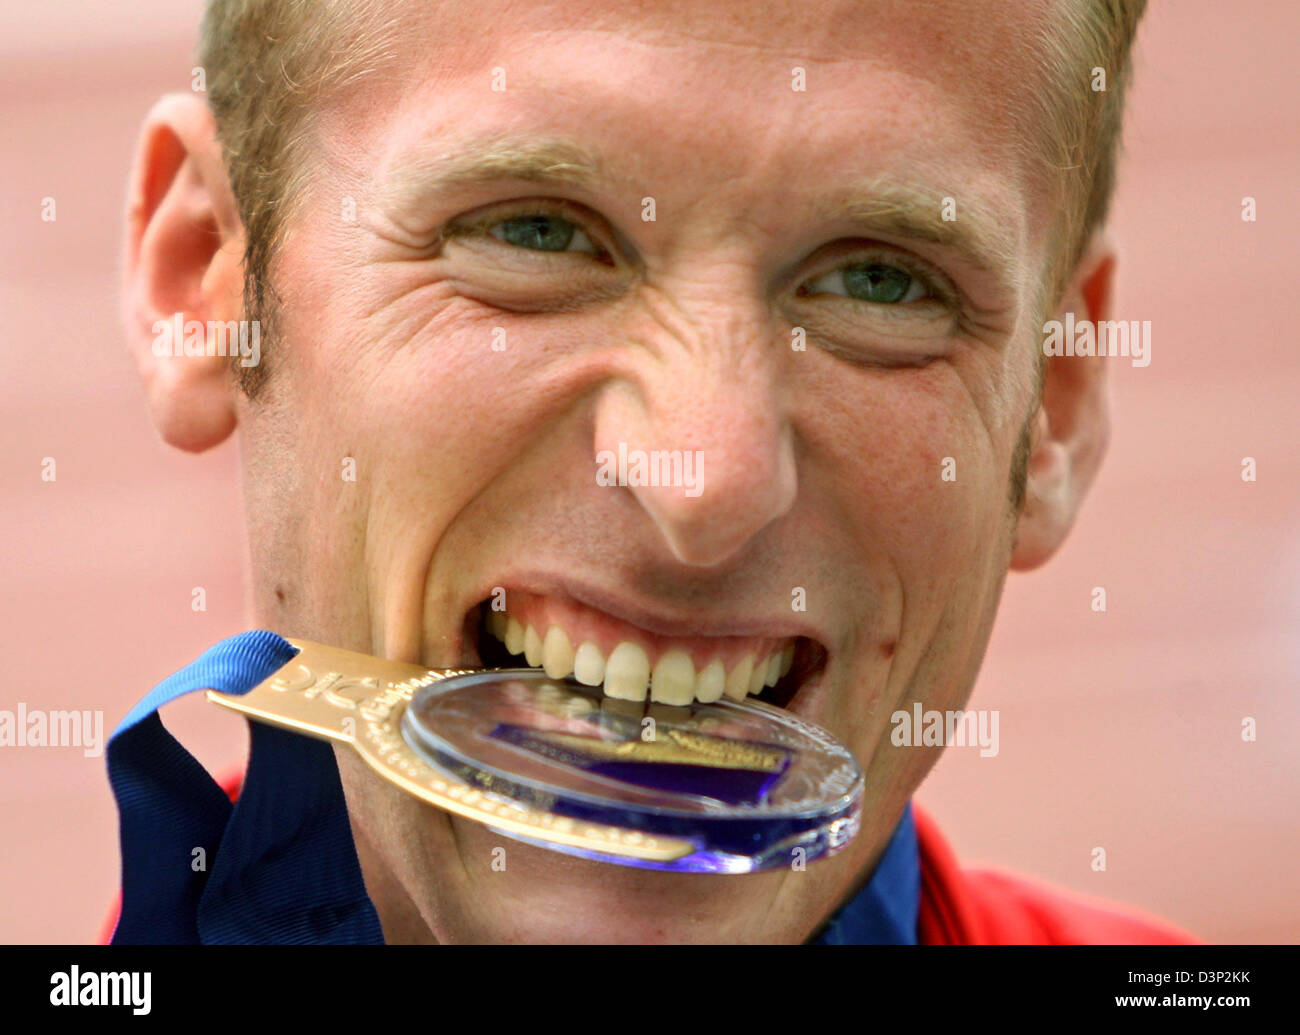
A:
[1120,730]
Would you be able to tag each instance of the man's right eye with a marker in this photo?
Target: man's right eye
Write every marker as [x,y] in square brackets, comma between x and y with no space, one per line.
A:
[535,228]
[541,232]
[534,254]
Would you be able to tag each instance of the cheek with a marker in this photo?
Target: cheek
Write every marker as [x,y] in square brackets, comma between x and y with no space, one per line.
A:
[911,454]
[449,393]
[921,481]
[449,410]
[420,392]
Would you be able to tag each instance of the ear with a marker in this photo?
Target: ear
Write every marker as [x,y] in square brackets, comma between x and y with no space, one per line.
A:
[184,251]
[1072,424]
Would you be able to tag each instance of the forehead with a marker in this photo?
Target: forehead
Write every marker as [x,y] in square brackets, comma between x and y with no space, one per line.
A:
[763,100]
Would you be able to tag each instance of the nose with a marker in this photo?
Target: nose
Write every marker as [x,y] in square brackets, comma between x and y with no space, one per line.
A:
[700,439]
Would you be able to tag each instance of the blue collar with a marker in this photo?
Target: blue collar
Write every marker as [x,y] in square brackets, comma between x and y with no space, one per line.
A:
[885,911]
[279,865]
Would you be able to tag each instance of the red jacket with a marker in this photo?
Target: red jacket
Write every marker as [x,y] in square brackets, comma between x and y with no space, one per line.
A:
[975,905]
[981,905]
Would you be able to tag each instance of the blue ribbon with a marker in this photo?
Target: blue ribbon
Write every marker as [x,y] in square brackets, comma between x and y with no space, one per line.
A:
[279,866]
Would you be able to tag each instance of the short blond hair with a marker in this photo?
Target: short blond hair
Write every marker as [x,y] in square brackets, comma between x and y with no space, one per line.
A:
[1087,51]
[269,62]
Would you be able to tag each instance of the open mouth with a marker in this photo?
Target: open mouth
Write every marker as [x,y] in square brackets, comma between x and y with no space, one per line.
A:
[628,663]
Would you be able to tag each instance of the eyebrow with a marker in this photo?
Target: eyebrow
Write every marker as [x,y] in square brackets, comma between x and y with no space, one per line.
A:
[879,203]
[555,160]
[914,212]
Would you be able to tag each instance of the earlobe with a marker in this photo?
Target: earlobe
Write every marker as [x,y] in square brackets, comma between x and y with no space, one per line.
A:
[1072,425]
[182,271]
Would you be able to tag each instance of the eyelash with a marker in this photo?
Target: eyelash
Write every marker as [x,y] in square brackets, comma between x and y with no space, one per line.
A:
[483,225]
[936,286]
[933,283]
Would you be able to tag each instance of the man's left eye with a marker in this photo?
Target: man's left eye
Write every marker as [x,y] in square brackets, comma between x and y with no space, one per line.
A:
[875,282]
[542,232]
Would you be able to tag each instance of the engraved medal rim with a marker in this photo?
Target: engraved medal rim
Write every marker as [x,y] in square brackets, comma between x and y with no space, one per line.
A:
[413,730]
[358,700]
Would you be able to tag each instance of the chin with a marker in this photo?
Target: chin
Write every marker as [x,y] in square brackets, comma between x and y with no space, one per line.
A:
[545,897]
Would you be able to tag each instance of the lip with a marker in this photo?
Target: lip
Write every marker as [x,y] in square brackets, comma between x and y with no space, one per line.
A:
[807,702]
[654,621]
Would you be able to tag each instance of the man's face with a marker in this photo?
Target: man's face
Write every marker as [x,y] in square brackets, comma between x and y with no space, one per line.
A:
[438,399]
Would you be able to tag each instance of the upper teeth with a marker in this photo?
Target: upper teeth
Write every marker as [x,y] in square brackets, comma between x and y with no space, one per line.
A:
[626,672]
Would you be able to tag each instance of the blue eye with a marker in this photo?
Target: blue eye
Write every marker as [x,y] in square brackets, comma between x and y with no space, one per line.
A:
[542,232]
[873,282]
[538,232]
[876,282]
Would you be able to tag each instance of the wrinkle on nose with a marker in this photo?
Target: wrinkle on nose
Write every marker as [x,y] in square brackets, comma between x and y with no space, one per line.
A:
[716,457]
